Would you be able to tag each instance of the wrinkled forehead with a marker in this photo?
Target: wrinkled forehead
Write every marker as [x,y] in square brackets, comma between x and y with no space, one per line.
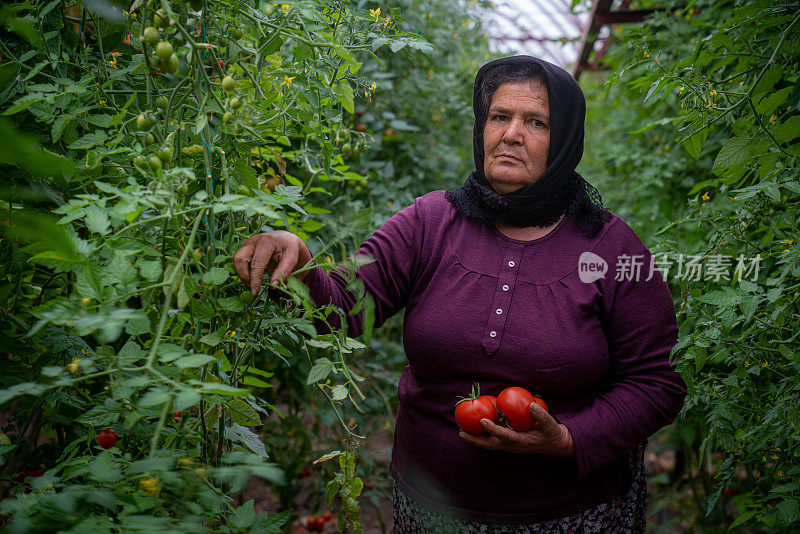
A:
[533,88]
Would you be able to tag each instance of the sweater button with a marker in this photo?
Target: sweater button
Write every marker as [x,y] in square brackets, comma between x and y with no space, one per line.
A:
[511,264]
[505,287]
[492,334]
[499,311]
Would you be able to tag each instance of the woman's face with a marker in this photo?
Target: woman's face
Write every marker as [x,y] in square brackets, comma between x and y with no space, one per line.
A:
[516,137]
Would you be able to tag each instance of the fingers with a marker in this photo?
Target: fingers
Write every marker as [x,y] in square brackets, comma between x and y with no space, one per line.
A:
[261,256]
[547,425]
[241,260]
[286,265]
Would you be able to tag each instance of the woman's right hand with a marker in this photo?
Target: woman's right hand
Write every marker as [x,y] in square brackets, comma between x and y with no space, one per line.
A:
[281,252]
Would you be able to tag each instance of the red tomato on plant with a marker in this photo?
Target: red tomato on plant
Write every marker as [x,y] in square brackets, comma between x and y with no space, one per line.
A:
[107,438]
[469,413]
[328,516]
[515,404]
[315,524]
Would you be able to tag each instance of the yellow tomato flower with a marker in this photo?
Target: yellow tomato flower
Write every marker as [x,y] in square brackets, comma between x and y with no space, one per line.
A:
[74,366]
[102,103]
[375,13]
[369,96]
[149,485]
[706,197]
[680,91]
[288,80]
[388,20]
[285,8]
[772,119]
[86,301]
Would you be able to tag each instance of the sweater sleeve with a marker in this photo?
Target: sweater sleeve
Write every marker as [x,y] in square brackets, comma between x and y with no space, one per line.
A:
[643,390]
[387,280]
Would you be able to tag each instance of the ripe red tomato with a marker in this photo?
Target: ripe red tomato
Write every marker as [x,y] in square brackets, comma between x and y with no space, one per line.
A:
[107,438]
[328,516]
[315,524]
[469,413]
[515,404]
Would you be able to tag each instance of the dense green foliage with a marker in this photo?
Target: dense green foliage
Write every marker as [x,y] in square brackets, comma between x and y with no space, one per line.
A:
[130,180]
[693,140]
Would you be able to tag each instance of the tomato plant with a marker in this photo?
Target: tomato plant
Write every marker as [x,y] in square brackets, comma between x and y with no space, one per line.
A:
[118,280]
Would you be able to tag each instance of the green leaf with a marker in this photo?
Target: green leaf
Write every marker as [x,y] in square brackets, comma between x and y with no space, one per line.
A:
[211,339]
[185,399]
[232,304]
[726,297]
[194,360]
[245,174]
[155,397]
[215,276]
[25,388]
[345,96]
[246,437]
[321,369]
[242,413]
[733,152]
[23,103]
[270,523]
[89,140]
[96,220]
[788,130]
[694,143]
[244,516]
[767,105]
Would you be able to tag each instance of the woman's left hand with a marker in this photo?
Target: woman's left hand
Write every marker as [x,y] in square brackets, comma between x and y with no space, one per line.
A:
[551,437]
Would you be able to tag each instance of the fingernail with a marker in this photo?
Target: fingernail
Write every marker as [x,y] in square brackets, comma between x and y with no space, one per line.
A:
[461,435]
[485,423]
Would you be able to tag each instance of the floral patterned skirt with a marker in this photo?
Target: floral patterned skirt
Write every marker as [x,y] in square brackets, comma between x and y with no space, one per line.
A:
[623,515]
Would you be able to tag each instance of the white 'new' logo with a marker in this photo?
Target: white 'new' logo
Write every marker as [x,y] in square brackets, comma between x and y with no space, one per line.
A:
[591,267]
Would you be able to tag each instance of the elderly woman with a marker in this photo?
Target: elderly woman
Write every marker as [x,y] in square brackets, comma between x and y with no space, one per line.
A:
[518,278]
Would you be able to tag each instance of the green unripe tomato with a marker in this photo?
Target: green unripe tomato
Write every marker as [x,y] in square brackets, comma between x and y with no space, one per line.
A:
[182,189]
[155,163]
[347,148]
[172,64]
[235,103]
[165,154]
[237,33]
[243,190]
[151,35]
[161,19]
[358,189]
[149,139]
[144,123]
[162,102]
[267,9]
[154,61]
[228,83]
[247,297]
[164,50]
[198,254]
[238,128]
[227,117]
[140,161]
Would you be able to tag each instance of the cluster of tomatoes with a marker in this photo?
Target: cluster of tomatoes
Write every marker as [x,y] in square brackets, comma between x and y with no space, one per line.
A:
[511,406]
[317,523]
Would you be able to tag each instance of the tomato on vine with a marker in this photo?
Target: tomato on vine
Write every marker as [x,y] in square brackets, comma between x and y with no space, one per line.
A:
[144,123]
[151,35]
[107,438]
[228,83]
[164,50]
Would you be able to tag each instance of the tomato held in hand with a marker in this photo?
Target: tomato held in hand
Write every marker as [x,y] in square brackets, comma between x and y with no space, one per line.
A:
[107,438]
[469,413]
[515,404]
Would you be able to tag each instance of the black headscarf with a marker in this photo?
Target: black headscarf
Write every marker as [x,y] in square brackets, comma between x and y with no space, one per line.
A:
[560,190]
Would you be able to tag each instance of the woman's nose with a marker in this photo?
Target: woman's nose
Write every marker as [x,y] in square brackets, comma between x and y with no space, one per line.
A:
[513,132]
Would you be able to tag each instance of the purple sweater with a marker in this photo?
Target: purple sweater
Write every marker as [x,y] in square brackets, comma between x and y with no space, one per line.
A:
[480,306]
